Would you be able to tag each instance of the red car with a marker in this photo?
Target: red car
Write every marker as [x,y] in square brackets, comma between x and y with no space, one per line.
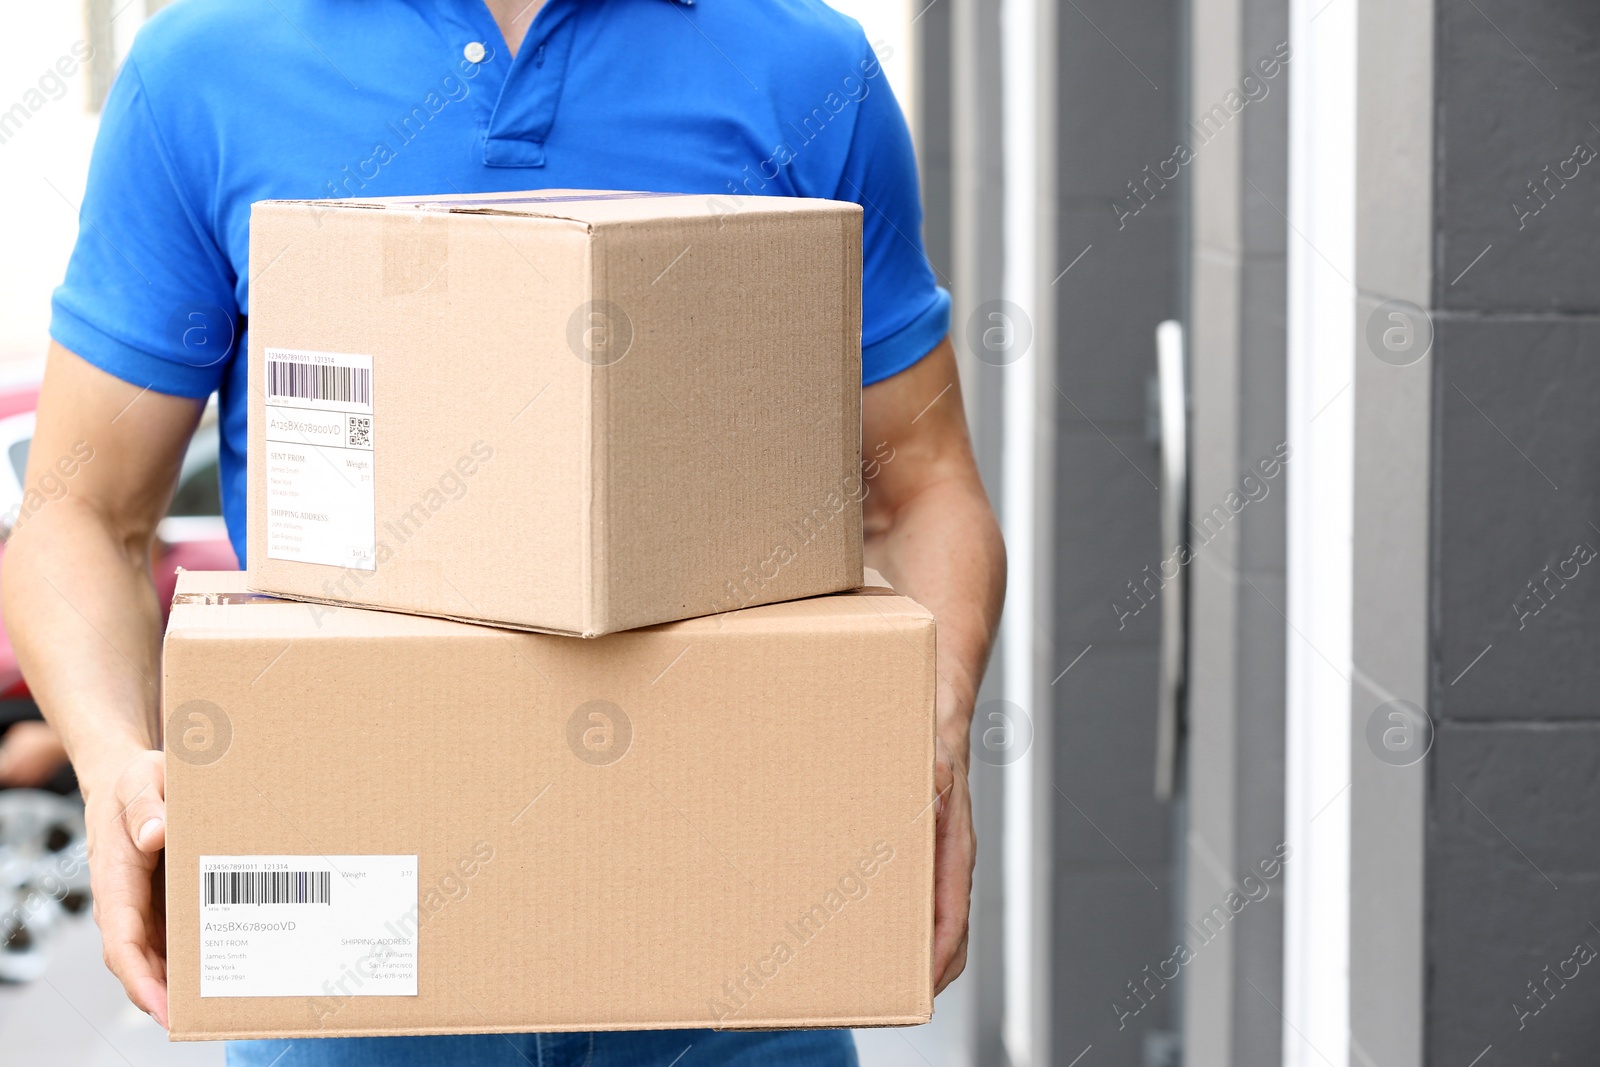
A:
[192,536]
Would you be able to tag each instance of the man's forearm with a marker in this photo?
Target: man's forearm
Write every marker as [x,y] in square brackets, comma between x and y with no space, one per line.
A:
[929,527]
[942,548]
[82,615]
[79,602]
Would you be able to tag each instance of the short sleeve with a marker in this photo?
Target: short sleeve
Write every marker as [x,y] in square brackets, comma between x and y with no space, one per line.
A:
[148,296]
[904,312]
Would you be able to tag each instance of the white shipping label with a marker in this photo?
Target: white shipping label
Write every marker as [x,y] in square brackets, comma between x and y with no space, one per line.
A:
[319,458]
[308,926]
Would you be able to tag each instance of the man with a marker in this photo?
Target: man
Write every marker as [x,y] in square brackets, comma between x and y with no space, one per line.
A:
[224,102]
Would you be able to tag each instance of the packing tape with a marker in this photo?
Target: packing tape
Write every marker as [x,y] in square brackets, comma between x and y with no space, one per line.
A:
[216,599]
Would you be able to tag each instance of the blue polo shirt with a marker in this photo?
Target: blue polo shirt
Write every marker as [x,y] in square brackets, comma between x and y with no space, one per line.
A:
[225,102]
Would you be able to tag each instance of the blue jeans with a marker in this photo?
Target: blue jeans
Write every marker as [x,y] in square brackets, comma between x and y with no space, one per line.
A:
[632,1048]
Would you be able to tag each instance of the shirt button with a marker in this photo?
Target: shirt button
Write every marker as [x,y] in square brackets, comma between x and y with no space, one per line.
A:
[538,57]
[474,52]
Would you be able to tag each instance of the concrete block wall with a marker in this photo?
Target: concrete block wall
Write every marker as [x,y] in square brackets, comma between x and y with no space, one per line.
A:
[1513,787]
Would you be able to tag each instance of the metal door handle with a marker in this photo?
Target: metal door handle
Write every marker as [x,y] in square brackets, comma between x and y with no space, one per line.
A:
[1172,393]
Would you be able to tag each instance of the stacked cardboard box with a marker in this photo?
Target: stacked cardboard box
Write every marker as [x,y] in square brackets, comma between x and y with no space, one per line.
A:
[630,743]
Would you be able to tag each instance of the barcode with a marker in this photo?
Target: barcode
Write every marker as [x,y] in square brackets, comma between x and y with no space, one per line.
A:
[267,887]
[314,381]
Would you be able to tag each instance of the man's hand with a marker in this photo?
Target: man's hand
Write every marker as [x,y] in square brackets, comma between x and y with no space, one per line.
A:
[83,617]
[931,533]
[957,848]
[127,831]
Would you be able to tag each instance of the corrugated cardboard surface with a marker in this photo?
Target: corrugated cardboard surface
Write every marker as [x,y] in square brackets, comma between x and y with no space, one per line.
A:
[771,750]
[715,465]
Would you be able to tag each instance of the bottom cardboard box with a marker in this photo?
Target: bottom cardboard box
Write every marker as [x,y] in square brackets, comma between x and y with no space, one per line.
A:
[385,824]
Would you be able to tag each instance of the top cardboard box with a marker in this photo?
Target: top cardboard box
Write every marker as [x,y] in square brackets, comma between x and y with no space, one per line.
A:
[576,412]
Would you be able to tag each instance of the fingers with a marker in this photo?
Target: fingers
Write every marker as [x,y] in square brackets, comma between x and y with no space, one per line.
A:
[141,796]
[151,997]
[949,941]
[127,831]
[956,850]
[123,908]
[953,969]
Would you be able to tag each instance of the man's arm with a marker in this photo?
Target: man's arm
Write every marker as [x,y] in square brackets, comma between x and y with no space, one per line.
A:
[82,613]
[932,534]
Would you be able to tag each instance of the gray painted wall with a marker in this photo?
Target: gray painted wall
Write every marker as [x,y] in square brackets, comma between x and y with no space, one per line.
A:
[1392,429]
[1513,872]
[1115,889]
[1237,302]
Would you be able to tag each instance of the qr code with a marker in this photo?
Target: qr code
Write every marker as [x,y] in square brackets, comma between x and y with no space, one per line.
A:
[360,431]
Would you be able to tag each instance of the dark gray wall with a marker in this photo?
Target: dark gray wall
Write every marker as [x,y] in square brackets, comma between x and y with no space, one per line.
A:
[1513,871]
[1236,330]
[1115,890]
